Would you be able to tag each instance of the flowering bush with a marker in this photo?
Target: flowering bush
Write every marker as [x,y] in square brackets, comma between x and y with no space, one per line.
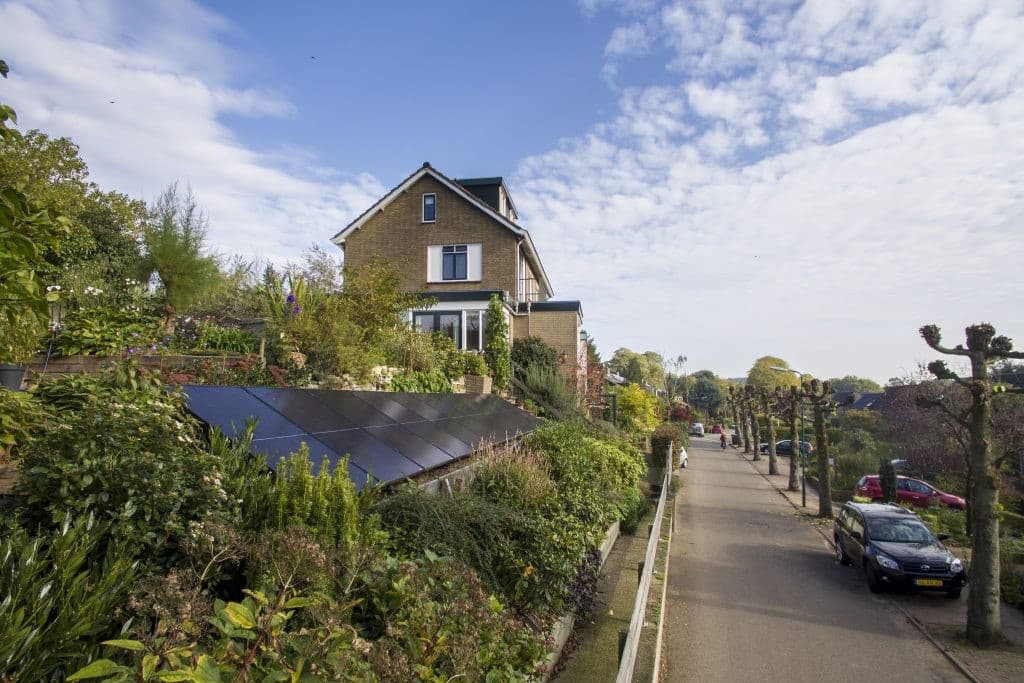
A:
[120,447]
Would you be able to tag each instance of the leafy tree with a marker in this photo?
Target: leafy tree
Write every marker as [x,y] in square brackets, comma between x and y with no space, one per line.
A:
[642,368]
[373,300]
[635,371]
[637,409]
[861,385]
[27,229]
[100,247]
[497,352]
[983,349]
[173,237]
[706,394]
[762,375]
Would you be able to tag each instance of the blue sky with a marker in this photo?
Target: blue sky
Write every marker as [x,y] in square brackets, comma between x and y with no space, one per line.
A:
[722,179]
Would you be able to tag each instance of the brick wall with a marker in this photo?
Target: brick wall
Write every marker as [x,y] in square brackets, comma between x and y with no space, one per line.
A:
[397,235]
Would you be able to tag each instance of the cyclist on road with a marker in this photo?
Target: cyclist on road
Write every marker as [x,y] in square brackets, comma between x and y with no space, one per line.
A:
[722,440]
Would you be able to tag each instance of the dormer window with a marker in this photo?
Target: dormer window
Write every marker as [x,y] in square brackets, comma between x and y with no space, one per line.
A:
[429,208]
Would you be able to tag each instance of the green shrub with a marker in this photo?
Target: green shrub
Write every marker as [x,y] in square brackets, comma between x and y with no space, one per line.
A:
[105,331]
[850,467]
[473,364]
[887,480]
[199,336]
[530,353]
[18,412]
[945,520]
[548,385]
[433,382]
[858,440]
[60,594]
[637,410]
[326,503]
[121,447]
[667,433]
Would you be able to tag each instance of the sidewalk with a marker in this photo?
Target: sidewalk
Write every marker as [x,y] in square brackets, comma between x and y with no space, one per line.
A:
[941,618]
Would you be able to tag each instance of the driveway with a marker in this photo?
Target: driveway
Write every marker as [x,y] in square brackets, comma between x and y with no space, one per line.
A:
[754,593]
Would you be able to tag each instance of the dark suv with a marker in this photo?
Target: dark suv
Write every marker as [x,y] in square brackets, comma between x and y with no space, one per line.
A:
[895,548]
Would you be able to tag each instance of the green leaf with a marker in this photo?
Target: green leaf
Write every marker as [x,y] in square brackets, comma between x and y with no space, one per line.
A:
[149,663]
[172,676]
[432,556]
[296,603]
[240,615]
[206,670]
[97,669]
[126,644]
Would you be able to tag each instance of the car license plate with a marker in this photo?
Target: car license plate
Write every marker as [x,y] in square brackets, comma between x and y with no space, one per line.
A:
[928,582]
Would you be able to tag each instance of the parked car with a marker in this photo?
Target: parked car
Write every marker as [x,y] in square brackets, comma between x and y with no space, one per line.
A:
[895,548]
[683,460]
[785,447]
[717,429]
[697,429]
[900,465]
[908,490]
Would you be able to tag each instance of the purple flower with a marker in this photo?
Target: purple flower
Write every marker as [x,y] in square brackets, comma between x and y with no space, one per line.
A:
[290,299]
[296,309]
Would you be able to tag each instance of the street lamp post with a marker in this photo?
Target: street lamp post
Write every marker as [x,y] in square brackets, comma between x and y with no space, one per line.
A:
[799,447]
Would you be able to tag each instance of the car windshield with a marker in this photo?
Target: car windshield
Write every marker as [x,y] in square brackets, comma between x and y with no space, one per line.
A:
[898,530]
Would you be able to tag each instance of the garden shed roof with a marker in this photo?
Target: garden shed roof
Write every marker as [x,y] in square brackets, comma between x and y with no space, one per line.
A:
[388,436]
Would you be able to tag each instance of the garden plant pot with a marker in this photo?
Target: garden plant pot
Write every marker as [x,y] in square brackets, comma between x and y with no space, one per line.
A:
[11,376]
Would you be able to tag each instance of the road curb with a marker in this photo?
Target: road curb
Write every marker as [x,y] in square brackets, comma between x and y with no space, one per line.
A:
[957,663]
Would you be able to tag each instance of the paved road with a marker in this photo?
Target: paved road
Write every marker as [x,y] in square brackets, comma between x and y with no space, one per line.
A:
[754,594]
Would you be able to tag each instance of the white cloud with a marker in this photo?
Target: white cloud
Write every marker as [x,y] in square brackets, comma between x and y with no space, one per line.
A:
[142,89]
[813,182]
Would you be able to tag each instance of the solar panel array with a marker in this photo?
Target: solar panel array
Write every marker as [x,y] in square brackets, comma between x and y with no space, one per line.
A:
[387,436]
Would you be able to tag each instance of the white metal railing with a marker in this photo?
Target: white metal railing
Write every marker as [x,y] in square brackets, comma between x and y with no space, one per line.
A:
[627,661]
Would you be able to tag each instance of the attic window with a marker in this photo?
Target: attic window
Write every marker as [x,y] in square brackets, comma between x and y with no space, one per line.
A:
[429,208]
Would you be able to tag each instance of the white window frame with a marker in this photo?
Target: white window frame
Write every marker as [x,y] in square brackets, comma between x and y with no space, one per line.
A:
[423,207]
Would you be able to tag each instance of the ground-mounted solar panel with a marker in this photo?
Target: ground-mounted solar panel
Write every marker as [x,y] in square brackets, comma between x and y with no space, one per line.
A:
[415,403]
[388,436]
[385,403]
[440,437]
[229,407]
[419,450]
[371,454]
[303,408]
[352,407]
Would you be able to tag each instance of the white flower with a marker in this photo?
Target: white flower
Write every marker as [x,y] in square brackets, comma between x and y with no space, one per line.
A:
[53,288]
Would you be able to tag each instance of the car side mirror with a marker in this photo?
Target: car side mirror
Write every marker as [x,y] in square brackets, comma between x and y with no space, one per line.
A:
[857,535]
[943,537]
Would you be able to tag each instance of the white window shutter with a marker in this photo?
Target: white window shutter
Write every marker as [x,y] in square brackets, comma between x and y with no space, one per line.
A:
[475,262]
[434,264]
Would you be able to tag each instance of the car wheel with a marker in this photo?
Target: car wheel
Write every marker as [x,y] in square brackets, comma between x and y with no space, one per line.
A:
[953,594]
[841,555]
[874,583]
[685,462]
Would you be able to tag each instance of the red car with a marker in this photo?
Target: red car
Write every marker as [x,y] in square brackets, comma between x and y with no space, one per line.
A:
[716,429]
[914,491]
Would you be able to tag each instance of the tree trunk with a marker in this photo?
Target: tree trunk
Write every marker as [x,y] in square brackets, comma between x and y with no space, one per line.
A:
[773,463]
[744,431]
[755,435]
[983,622]
[736,418]
[796,456]
[824,472]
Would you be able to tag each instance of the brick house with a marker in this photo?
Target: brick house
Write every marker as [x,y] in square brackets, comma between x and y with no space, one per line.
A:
[459,242]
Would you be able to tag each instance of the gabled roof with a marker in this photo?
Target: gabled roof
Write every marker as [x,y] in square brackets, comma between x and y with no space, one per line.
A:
[427,169]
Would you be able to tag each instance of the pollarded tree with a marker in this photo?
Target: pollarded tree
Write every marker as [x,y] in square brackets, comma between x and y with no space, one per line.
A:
[750,403]
[818,395]
[740,409]
[768,406]
[983,349]
[789,400]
